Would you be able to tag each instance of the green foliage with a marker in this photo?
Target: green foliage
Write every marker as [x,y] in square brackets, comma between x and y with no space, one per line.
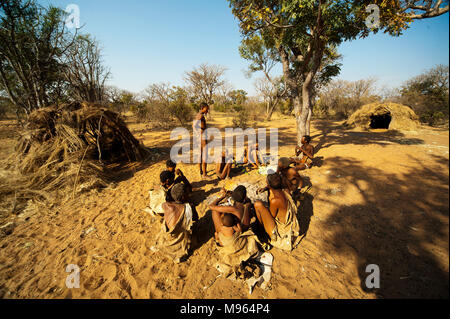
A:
[32,43]
[166,104]
[428,95]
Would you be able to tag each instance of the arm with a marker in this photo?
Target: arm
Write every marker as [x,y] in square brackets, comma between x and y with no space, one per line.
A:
[308,151]
[183,178]
[226,209]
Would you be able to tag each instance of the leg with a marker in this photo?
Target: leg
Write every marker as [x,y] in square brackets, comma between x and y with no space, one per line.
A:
[227,170]
[264,217]
[249,212]
[203,166]
[245,156]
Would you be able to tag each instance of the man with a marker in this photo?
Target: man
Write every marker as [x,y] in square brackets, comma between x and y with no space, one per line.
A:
[175,235]
[223,168]
[172,167]
[279,219]
[236,242]
[241,207]
[308,154]
[199,131]
[291,179]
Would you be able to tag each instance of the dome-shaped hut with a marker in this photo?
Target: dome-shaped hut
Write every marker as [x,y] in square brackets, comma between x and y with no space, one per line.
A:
[384,116]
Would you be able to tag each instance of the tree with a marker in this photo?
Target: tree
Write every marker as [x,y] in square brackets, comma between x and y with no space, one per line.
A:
[428,95]
[204,81]
[303,32]
[345,97]
[272,92]
[167,102]
[33,40]
[84,70]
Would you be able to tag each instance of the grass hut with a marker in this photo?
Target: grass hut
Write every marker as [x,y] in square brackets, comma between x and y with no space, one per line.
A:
[384,116]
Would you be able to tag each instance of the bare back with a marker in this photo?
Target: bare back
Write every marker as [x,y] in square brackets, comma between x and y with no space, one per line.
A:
[278,204]
[172,213]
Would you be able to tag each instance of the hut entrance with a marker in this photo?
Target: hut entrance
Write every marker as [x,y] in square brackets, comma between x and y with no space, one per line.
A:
[380,121]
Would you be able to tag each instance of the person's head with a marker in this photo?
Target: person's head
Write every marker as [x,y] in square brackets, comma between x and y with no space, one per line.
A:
[179,193]
[228,220]
[274,181]
[204,107]
[284,163]
[306,139]
[167,178]
[239,194]
[170,165]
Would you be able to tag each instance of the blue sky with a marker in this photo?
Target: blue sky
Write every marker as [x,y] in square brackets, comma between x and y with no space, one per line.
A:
[151,41]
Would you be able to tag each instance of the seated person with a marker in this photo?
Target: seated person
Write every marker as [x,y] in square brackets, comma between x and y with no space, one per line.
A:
[168,181]
[223,168]
[241,208]
[175,235]
[308,154]
[172,167]
[252,156]
[291,179]
[279,219]
[235,245]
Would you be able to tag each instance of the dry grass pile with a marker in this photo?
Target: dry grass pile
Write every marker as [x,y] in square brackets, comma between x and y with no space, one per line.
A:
[403,117]
[67,149]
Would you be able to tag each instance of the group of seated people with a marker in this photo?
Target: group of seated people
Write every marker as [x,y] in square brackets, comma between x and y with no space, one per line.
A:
[238,222]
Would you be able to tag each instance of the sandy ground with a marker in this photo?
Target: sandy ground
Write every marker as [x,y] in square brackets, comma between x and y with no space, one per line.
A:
[378,197]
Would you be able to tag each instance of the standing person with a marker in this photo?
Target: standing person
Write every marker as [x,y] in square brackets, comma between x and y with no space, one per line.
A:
[279,218]
[199,131]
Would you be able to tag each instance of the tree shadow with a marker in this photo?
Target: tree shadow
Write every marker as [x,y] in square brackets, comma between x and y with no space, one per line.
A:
[199,196]
[401,226]
[333,133]
[305,212]
[124,171]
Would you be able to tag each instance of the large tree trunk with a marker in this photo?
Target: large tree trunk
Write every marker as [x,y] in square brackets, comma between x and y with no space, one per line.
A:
[302,108]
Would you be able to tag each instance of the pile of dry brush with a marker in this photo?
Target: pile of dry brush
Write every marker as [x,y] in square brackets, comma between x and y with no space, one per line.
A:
[67,149]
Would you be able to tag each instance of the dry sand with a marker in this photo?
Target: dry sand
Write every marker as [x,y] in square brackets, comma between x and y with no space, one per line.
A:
[378,197]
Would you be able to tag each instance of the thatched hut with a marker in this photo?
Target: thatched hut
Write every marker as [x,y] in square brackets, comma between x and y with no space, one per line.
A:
[69,148]
[384,116]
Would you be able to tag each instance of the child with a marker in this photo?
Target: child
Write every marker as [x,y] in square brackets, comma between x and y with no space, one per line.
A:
[172,167]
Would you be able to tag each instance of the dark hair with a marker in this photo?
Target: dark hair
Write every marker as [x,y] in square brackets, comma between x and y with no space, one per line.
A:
[203,104]
[284,162]
[239,194]
[178,191]
[166,175]
[228,220]
[171,164]
[307,138]
[274,181]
